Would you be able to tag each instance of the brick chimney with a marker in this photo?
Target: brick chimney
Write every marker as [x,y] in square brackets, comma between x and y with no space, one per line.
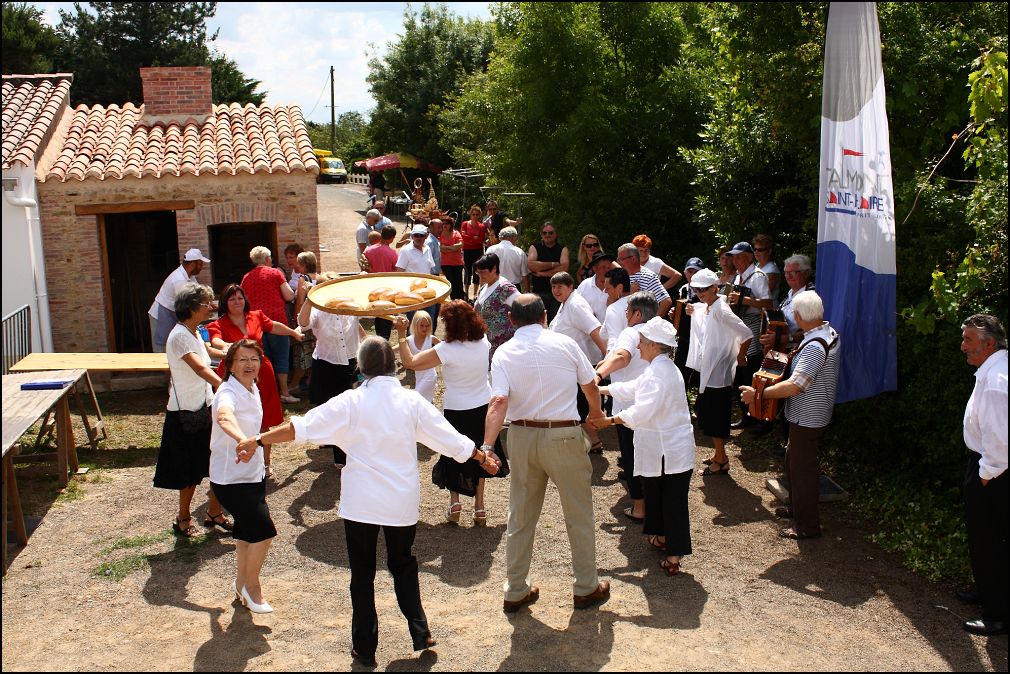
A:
[177,92]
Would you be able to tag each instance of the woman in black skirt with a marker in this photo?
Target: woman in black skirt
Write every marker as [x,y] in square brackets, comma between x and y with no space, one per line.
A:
[463,355]
[334,364]
[241,485]
[184,457]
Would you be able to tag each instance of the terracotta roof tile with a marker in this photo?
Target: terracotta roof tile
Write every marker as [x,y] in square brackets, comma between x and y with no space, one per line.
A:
[31,104]
[116,142]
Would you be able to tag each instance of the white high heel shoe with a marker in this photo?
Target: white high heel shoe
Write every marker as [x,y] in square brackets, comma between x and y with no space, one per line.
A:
[253,606]
[238,595]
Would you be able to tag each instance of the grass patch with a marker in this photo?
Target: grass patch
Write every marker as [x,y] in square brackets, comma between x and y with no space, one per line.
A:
[138,541]
[187,549]
[120,569]
[72,492]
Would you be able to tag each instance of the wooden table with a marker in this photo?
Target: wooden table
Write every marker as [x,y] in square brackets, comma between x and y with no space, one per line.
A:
[92,362]
[21,409]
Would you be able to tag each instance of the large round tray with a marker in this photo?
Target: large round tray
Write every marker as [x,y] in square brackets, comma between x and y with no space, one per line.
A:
[357,287]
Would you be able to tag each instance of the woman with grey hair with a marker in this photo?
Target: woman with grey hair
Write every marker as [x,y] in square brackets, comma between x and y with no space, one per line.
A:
[184,456]
[799,273]
[655,407]
[379,425]
[269,291]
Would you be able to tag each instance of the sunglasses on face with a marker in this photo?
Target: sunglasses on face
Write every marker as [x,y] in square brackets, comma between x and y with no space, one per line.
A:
[760,250]
[590,245]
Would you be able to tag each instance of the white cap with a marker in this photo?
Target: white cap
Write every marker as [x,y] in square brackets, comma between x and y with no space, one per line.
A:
[194,254]
[704,278]
[659,330]
[419,229]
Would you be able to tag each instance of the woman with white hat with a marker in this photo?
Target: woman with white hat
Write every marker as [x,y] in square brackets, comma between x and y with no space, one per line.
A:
[664,441]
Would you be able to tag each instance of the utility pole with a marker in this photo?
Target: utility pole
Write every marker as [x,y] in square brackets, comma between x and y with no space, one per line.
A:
[333,118]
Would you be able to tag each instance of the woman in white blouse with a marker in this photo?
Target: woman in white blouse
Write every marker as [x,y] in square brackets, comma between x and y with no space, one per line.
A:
[241,485]
[184,456]
[664,441]
[333,359]
[462,355]
[379,425]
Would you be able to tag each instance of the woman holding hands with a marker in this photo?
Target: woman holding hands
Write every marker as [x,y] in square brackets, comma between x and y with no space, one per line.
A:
[240,482]
[656,409]
[379,425]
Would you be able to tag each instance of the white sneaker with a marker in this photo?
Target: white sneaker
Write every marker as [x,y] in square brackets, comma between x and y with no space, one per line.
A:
[290,399]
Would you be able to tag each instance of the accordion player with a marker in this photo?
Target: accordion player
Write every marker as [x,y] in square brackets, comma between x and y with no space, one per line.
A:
[773,369]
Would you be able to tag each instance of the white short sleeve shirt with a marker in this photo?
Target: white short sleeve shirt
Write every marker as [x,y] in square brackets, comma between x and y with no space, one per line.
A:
[248,412]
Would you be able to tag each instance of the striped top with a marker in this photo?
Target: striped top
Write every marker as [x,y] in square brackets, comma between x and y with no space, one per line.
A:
[816,373]
[649,282]
[757,281]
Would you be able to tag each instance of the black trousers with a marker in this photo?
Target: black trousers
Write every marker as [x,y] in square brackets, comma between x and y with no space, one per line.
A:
[469,257]
[804,477]
[550,304]
[330,380]
[666,512]
[626,442]
[985,514]
[454,274]
[383,328]
[745,377]
[361,541]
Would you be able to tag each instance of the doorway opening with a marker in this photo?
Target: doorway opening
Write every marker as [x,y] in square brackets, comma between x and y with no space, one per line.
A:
[141,249]
[230,244]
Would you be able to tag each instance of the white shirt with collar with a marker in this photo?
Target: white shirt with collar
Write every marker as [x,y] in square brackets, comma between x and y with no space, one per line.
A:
[985,417]
[415,261]
[380,483]
[512,263]
[616,322]
[757,281]
[576,319]
[787,306]
[716,336]
[596,297]
[485,291]
[248,412]
[627,341]
[538,370]
[655,406]
[337,337]
[169,289]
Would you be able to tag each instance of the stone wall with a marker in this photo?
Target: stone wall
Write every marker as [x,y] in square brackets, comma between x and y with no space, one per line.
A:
[73,255]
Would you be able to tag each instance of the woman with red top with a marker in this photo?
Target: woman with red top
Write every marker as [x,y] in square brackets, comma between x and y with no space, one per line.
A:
[474,234]
[451,245]
[237,321]
[268,291]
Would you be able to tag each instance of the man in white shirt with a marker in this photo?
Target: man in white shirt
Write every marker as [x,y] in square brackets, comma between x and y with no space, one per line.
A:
[985,488]
[162,312]
[533,380]
[593,289]
[617,284]
[512,263]
[416,258]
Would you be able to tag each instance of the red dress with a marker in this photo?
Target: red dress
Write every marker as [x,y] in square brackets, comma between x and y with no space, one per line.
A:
[256,323]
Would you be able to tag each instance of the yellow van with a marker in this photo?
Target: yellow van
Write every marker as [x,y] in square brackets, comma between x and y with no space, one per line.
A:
[331,169]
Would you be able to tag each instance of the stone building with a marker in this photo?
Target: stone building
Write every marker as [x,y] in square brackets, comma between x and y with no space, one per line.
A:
[130,189]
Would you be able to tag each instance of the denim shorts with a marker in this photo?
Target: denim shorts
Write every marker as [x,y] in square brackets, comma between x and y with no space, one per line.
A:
[278,349]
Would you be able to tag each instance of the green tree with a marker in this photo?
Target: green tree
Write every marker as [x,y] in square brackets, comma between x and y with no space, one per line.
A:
[29,45]
[413,80]
[352,141]
[106,43]
[587,105]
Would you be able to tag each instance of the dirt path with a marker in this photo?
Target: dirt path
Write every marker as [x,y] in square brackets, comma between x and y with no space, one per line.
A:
[747,601]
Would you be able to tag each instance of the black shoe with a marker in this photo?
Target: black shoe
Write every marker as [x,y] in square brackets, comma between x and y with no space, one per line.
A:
[985,627]
[621,475]
[760,428]
[746,422]
[968,596]
[363,660]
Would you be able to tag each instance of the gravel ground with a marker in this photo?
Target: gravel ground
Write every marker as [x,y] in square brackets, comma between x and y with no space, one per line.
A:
[104,586]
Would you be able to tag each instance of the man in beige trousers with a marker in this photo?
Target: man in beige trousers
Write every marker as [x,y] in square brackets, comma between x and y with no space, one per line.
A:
[533,384]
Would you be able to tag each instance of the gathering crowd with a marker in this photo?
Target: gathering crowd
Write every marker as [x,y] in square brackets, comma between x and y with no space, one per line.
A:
[552,356]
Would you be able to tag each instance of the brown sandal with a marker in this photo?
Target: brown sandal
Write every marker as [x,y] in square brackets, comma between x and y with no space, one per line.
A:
[671,568]
[654,542]
[188,532]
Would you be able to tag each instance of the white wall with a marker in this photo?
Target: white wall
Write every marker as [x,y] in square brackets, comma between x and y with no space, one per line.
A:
[20,285]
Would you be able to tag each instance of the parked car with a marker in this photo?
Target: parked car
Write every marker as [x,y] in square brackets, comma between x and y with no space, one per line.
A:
[331,170]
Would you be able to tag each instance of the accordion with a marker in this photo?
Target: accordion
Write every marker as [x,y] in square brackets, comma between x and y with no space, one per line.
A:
[773,369]
[738,308]
[678,313]
[774,322]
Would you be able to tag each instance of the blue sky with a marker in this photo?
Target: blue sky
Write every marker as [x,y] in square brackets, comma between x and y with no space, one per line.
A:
[290,46]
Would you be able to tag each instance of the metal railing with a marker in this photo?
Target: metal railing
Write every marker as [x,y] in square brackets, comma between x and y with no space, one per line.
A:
[357,178]
[17,336]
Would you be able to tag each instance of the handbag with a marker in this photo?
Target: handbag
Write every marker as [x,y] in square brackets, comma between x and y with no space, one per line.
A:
[192,421]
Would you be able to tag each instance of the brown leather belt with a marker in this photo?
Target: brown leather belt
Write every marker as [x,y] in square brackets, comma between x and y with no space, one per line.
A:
[545,424]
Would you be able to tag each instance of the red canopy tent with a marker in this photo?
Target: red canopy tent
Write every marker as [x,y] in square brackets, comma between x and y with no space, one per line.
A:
[398,160]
